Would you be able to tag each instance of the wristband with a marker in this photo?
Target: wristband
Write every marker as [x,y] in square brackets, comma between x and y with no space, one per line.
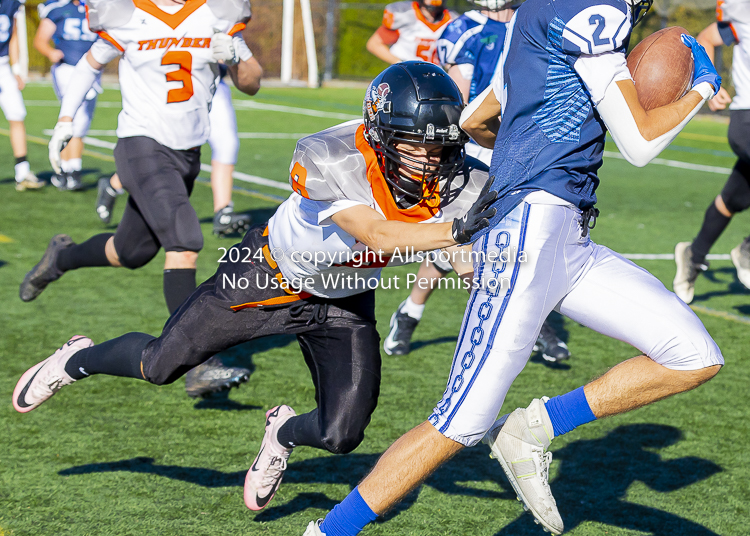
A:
[241,50]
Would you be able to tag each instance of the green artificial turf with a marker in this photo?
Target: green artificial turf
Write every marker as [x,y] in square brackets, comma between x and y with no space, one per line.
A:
[113,456]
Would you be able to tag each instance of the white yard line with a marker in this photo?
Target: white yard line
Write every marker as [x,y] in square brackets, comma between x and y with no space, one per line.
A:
[670,256]
[677,164]
[241,135]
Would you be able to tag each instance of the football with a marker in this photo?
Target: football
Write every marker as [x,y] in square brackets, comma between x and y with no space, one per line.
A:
[662,68]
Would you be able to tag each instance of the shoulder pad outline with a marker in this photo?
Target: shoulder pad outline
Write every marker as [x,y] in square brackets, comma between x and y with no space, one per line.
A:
[109,14]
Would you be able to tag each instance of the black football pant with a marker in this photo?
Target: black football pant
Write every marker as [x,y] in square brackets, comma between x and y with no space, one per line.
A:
[338,340]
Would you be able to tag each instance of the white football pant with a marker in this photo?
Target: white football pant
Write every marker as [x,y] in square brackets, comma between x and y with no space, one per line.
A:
[569,273]
[225,145]
[11,101]
[62,73]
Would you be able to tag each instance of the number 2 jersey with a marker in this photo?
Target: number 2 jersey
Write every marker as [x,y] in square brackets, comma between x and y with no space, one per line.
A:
[410,35]
[562,56]
[167,71]
[334,170]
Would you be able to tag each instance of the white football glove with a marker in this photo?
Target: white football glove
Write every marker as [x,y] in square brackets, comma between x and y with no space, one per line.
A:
[223,49]
[60,138]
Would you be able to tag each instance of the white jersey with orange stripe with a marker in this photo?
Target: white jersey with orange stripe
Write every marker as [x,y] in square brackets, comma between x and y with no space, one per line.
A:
[334,170]
[413,36]
[167,71]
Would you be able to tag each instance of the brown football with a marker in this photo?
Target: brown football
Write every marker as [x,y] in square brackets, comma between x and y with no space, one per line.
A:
[662,68]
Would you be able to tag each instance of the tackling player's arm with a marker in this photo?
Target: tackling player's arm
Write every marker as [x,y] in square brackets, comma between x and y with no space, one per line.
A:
[481,118]
[42,40]
[246,75]
[373,230]
[711,38]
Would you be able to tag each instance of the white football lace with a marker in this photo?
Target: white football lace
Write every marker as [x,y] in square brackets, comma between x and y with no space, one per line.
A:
[274,471]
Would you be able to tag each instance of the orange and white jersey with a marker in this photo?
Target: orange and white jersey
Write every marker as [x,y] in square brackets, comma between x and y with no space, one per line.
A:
[167,70]
[334,170]
[410,34]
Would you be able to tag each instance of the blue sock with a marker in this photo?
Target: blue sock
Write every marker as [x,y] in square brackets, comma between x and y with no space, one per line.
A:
[569,411]
[349,517]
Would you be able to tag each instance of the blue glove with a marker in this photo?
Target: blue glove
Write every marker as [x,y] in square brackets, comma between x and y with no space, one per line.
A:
[704,70]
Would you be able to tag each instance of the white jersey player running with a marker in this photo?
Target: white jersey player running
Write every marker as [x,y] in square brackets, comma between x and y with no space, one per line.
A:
[170,52]
[410,31]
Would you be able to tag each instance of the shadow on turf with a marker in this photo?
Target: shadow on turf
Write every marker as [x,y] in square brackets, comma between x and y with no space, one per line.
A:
[242,356]
[591,485]
[595,475]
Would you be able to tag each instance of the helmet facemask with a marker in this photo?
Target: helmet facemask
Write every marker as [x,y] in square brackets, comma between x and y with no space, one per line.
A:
[413,180]
[434,7]
[639,9]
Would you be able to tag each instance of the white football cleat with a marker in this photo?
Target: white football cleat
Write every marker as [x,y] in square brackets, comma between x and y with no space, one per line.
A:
[264,476]
[687,272]
[313,529]
[520,446]
[44,379]
[741,260]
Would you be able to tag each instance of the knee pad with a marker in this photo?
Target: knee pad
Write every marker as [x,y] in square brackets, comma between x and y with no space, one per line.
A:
[736,191]
[135,257]
[188,235]
[341,441]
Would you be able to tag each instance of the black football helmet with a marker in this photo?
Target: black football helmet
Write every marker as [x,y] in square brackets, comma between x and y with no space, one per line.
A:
[435,7]
[639,8]
[415,102]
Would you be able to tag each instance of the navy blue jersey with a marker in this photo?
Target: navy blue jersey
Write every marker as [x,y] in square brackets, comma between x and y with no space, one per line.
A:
[550,136]
[476,40]
[72,35]
[8,10]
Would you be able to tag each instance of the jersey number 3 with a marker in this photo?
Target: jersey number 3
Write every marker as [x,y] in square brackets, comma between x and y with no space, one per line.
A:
[183,74]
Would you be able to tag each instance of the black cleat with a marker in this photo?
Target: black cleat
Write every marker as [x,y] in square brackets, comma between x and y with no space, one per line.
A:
[59,181]
[46,271]
[212,377]
[227,222]
[105,200]
[74,182]
[398,341]
[551,347]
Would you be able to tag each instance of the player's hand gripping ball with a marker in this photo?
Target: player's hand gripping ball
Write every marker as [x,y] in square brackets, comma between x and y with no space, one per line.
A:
[662,68]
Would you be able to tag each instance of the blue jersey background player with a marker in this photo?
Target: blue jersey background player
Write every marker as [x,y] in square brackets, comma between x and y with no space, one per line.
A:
[564,83]
[469,49]
[11,101]
[63,22]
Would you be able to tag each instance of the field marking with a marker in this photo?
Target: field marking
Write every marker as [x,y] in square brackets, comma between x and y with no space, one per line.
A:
[670,256]
[5,239]
[721,314]
[702,137]
[238,105]
[241,135]
[253,105]
[676,164]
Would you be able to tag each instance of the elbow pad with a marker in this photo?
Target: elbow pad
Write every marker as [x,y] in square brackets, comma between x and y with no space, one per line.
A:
[615,112]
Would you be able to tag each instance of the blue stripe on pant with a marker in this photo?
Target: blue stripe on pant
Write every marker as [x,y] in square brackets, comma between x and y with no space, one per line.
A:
[482,312]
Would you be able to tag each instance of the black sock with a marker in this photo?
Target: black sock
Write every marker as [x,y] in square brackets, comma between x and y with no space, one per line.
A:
[301,430]
[714,223]
[179,283]
[20,159]
[90,253]
[118,357]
